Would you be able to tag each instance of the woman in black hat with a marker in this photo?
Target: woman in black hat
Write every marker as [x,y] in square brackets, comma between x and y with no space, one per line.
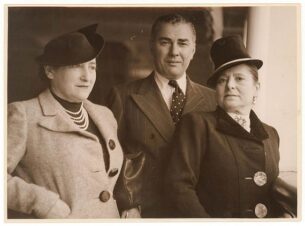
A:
[64,157]
[224,163]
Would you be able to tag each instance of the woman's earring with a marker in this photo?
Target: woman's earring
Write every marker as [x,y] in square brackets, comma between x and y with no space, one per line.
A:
[254,100]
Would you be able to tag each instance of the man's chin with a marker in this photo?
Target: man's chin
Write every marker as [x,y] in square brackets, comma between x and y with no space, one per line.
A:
[174,74]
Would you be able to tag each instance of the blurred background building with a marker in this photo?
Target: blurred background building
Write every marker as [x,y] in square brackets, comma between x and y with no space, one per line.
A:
[270,33]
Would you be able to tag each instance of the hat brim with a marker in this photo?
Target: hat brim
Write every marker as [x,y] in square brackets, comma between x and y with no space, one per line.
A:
[213,78]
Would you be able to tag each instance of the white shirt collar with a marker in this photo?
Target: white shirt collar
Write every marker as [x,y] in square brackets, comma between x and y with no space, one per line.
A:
[162,82]
[167,90]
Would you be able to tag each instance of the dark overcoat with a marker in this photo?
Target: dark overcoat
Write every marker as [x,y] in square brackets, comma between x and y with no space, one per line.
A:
[145,131]
[217,168]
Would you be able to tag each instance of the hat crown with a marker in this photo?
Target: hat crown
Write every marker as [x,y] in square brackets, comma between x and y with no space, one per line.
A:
[227,52]
[73,43]
[228,49]
[73,48]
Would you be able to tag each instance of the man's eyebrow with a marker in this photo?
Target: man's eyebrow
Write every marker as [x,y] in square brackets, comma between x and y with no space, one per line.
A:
[183,40]
[164,38]
[169,39]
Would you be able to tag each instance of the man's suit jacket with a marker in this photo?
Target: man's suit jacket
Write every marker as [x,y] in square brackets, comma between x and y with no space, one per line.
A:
[145,131]
[53,167]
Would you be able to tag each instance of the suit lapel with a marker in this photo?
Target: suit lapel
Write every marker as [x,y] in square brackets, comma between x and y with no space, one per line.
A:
[55,118]
[151,103]
[194,98]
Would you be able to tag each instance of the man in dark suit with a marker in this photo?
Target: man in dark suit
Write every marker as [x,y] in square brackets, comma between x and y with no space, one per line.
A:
[148,109]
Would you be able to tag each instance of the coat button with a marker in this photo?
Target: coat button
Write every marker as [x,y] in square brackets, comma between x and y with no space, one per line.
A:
[260,178]
[260,210]
[111,144]
[113,172]
[104,196]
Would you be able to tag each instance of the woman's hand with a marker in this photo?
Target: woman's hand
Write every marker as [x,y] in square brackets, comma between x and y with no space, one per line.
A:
[131,213]
[59,211]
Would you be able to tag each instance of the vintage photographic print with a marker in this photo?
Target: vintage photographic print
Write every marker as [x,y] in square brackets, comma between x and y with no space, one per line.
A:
[153,112]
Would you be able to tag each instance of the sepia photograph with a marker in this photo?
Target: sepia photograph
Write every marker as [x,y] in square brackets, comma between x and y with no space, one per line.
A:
[152,112]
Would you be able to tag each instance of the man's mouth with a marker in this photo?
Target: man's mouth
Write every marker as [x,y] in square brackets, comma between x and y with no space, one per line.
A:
[173,62]
[231,95]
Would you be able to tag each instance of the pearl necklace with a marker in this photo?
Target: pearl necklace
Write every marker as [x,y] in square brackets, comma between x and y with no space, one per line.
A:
[80,118]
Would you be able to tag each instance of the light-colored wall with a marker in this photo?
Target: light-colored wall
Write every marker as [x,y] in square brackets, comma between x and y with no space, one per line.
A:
[273,37]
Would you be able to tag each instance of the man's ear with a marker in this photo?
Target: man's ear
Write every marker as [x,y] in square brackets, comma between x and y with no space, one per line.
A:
[194,50]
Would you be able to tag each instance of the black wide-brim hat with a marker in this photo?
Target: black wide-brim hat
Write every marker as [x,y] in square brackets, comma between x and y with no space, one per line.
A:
[73,48]
[227,52]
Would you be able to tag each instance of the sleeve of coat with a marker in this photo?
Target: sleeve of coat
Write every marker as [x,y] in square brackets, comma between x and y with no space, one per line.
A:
[22,196]
[187,151]
[284,194]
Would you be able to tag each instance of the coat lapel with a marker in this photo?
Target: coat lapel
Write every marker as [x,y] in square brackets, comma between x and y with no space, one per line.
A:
[107,130]
[270,161]
[55,119]
[100,120]
[228,126]
[149,100]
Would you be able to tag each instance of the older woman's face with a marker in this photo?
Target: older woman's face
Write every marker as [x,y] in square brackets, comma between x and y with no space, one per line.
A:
[73,83]
[236,88]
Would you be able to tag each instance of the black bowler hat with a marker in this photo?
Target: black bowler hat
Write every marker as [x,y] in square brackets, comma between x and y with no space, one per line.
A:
[73,48]
[227,52]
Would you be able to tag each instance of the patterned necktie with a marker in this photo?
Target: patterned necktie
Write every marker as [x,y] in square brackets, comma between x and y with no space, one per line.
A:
[178,101]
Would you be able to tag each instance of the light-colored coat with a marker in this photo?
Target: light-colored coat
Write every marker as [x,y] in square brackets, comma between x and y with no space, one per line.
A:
[56,170]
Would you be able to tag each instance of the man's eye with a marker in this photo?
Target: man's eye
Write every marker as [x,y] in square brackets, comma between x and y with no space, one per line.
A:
[164,42]
[183,44]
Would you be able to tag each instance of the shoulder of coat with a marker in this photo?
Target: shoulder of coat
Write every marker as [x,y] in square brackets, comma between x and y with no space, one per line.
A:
[201,115]
[204,89]
[26,104]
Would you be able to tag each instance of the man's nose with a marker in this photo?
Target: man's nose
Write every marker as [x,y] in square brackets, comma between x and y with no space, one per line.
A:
[174,51]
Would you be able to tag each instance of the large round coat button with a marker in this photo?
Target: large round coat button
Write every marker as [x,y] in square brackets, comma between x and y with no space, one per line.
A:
[111,144]
[260,178]
[260,210]
[104,196]
[113,172]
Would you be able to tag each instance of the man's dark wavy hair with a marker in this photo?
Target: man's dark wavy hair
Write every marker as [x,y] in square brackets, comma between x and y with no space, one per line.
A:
[172,19]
